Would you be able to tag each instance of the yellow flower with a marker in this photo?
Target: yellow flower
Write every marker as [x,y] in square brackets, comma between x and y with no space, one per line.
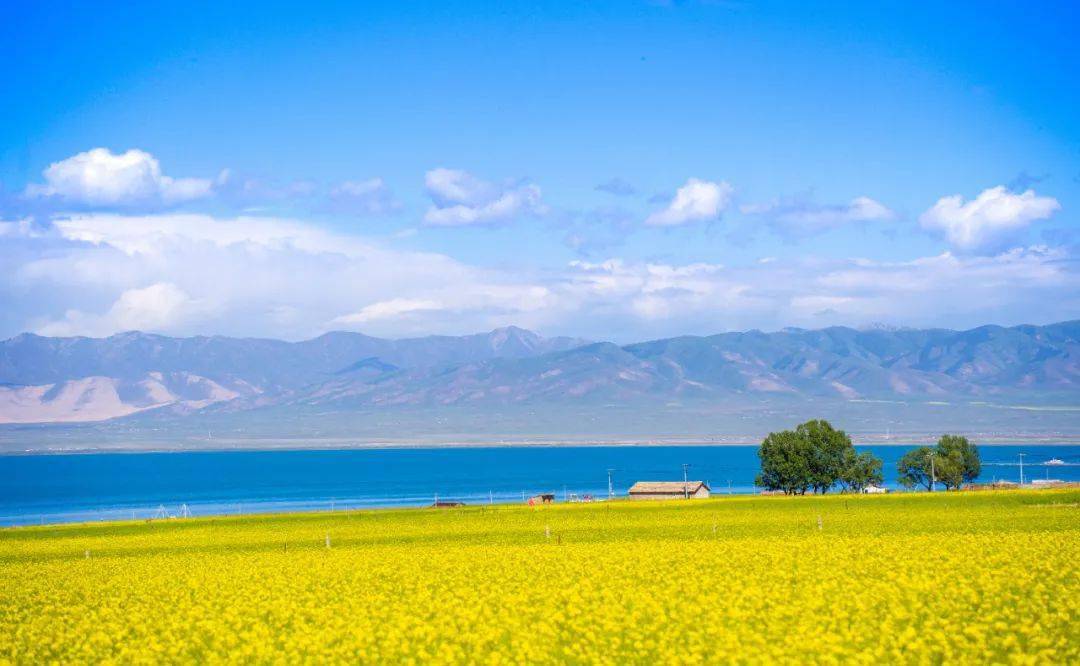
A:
[969,577]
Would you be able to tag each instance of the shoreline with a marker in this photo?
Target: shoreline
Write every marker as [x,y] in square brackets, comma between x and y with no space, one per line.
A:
[336,444]
[270,508]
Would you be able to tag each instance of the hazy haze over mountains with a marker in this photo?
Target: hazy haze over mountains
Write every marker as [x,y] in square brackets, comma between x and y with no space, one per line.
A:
[87,379]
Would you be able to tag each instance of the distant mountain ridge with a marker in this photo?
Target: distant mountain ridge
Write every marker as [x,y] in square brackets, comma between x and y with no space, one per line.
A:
[87,379]
[102,378]
[34,359]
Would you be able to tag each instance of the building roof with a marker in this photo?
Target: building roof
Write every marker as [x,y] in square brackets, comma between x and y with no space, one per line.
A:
[666,487]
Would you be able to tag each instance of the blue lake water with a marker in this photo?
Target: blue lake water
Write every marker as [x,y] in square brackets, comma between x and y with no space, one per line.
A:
[74,488]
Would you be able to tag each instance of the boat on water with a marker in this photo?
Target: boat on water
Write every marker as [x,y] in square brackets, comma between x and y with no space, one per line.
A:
[1055,462]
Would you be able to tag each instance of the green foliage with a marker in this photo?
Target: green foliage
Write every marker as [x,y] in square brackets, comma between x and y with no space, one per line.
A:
[914,468]
[957,461]
[814,456]
[826,448]
[860,470]
[785,463]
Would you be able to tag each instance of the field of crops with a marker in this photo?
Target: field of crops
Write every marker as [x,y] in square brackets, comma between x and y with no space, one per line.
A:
[907,578]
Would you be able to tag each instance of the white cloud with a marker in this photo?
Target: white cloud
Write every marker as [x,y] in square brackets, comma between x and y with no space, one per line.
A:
[991,219]
[99,177]
[1036,284]
[151,235]
[461,199]
[157,307]
[797,217]
[393,308]
[371,197]
[250,276]
[95,274]
[954,279]
[696,201]
[448,187]
[17,228]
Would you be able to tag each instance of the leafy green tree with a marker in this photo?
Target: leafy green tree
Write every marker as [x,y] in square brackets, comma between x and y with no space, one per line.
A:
[860,470]
[785,463]
[827,448]
[813,456]
[957,461]
[914,468]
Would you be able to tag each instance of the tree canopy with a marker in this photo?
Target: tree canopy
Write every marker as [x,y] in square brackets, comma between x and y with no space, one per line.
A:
[815,456]
[860,470]
[955,462]
[914,468]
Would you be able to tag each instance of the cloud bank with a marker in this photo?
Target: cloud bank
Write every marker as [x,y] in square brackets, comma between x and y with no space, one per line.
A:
[130,251]
[95,274]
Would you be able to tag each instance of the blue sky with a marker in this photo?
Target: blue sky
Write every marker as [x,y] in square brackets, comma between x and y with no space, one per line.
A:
[618,170]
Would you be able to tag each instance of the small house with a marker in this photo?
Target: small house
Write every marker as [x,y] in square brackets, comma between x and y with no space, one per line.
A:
[444,504]
[661,490]
[542,498]
[874,489]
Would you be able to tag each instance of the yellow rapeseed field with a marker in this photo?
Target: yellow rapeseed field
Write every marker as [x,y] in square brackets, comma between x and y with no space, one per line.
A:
[957,578]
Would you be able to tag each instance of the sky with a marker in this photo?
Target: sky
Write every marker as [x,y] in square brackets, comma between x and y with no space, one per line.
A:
[611,170]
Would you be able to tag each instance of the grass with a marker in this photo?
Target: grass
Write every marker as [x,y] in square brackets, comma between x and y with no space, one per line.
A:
[988,576]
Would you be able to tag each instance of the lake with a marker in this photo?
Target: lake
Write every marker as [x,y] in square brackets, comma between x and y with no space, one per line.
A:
[110,486]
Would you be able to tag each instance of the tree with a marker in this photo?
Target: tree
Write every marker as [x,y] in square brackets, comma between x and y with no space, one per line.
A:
[785,464]
[860,470]
[814,455]
[827,448]
[914,468]
[957,461]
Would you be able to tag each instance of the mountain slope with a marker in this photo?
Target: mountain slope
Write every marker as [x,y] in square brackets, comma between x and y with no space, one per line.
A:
[98,378]
[99,398]
[76,379]
[837,362]
[269,364]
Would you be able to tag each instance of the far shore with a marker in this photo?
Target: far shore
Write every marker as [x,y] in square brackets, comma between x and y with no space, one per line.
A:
[344,443]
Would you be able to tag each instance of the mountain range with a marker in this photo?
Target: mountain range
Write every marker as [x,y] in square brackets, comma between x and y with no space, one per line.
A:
[44,379]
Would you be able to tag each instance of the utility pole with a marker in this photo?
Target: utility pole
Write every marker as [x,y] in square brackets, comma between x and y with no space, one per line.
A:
[610,486]
[685,482]
[1022,468]
[933,472]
